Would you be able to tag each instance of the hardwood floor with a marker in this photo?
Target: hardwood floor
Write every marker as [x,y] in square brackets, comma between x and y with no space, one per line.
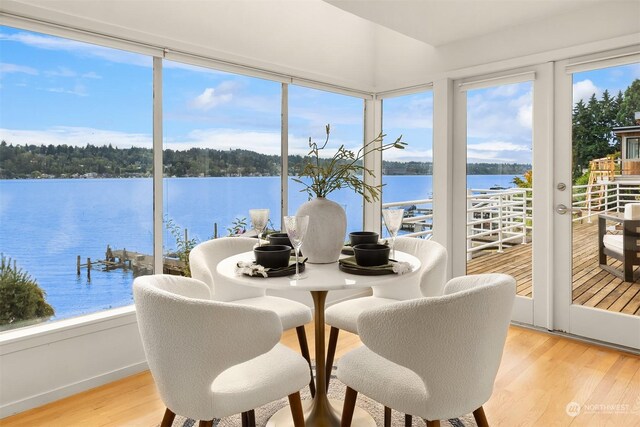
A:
[539,376]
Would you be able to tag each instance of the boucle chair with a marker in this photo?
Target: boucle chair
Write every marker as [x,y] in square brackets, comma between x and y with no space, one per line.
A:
[203,260]
[213,359]
[435,358]
[624,247]
[344,315]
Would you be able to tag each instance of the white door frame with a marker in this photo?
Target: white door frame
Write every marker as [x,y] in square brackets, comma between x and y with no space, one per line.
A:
[616,328]
[533,311]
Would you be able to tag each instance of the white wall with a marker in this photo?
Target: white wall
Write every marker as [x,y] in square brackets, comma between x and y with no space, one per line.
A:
[66,357]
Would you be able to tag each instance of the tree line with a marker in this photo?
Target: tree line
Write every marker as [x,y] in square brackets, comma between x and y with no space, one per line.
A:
[593,123]
[90,161]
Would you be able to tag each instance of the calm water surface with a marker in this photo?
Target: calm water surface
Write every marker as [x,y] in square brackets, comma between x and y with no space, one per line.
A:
[46,224]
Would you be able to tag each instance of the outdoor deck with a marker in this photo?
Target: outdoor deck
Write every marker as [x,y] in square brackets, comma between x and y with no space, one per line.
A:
[592,286]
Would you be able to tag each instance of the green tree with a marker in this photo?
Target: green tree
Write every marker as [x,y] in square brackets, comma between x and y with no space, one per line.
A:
[629,105]
[20,296]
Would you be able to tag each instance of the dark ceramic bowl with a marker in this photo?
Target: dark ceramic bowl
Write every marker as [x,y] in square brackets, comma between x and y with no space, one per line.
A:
[360,237]
[279,239]
[371,254]
[272,256]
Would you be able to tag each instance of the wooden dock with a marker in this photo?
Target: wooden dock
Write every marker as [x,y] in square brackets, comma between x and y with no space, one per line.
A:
[592,286]
[141,264]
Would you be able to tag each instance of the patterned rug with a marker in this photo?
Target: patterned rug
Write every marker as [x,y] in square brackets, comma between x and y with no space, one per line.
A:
[336,391]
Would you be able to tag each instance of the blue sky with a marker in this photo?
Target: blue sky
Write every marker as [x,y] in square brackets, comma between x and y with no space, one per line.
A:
[59,91]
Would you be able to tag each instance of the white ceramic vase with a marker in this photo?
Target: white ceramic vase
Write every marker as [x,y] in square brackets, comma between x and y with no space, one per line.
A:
[326,233]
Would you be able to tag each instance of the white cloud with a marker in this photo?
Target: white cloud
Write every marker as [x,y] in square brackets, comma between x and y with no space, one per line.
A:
[497,146]
[583,90]
[488,157]
[78,48]
[91,75]
[525,115]
[212,97]
[78,90]
[76,136]
[6,68]
[61,72]
[500,113]
[228,139]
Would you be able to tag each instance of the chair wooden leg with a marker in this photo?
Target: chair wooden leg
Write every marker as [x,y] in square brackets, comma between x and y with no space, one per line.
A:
[251,416]
[387,416]
[481,418]
[331,352]
[434,423]
[245,419]
[296,409]
[206,423]
[304,349]
[408,421]
[168,418]
[350,397]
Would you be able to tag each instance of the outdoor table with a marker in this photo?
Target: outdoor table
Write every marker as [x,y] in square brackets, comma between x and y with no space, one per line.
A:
[321,278]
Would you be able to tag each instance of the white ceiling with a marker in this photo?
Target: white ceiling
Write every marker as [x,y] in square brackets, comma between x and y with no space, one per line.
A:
[367,45]
[439,22]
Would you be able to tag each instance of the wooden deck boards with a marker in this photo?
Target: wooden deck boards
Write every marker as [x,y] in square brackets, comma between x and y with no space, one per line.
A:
[592,286]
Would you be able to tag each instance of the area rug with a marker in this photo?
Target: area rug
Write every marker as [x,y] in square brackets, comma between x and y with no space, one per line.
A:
[336,391]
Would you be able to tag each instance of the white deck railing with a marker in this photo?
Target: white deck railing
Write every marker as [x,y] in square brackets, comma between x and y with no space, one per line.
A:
[500,218]
[496,218]
[606,196]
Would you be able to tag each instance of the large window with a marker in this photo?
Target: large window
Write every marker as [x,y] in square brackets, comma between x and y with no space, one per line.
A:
[75,168]
[408,174]
[221,153]
[310,111]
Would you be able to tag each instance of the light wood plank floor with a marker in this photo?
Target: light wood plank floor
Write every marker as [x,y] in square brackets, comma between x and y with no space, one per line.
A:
[592,286]
[540,374]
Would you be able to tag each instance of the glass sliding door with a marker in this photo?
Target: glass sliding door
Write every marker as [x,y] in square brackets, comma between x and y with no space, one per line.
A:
[597,109]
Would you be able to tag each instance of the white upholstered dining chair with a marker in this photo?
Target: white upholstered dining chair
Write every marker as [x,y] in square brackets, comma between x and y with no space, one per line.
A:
[213,359]
[203,260]
[430,282]
[435,358]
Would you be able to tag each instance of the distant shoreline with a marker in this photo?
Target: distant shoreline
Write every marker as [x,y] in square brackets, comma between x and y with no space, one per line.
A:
[45,178]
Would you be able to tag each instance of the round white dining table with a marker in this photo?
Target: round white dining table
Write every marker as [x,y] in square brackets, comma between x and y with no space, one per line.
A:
[320,279]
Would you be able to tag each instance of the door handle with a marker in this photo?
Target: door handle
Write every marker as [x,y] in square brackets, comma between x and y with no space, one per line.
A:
[562,209]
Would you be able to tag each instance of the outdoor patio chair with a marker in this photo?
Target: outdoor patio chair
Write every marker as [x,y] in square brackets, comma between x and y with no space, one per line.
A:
[623,246]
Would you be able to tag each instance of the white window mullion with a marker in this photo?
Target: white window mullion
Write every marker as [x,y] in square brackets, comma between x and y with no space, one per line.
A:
[284,153]
[158,225]
[372,161]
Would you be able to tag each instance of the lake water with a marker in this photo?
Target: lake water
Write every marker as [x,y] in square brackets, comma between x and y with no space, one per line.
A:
[46,224]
